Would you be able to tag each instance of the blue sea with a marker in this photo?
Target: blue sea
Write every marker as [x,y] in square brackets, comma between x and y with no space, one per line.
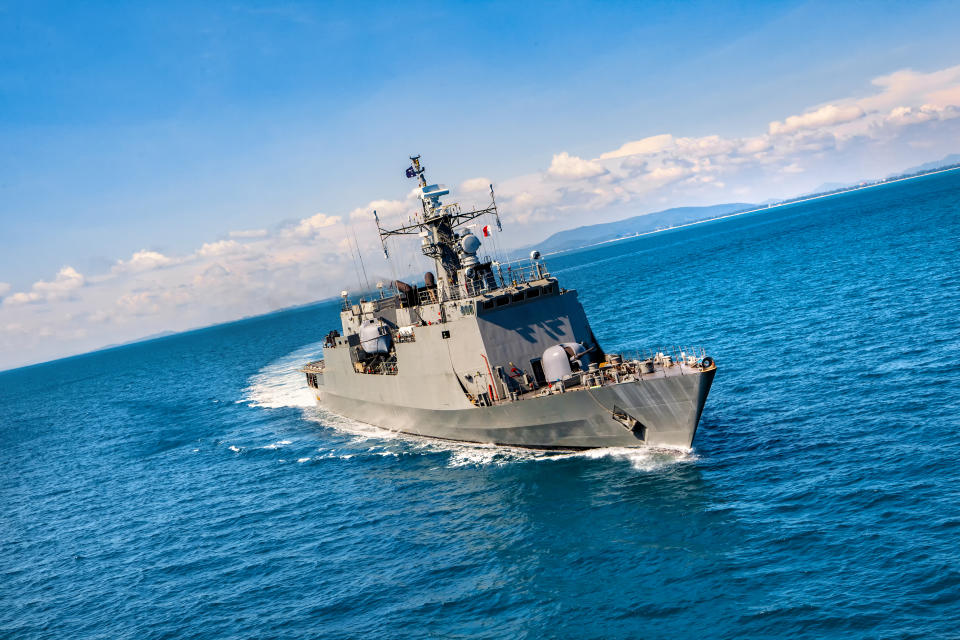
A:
[186,487]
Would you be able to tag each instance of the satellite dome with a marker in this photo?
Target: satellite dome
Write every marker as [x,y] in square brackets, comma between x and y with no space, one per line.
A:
[470,243]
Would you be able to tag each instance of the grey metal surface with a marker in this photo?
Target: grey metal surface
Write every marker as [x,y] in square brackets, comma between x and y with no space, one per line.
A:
[668,407]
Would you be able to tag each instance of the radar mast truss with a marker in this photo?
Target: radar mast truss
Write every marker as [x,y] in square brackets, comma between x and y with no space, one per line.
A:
[437,225]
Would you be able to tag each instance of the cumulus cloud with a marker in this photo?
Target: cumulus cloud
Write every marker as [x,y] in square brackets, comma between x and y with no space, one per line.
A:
[67,280]
[219,248]
[384,209]
[474,185]
[144,260]
[653,144]
[62,287]
[23,297]
[567,166]
[909,87]
[752,146]
[249,233]
[923,113]
[825,116]
[312,226]
[139,304]
[845,139]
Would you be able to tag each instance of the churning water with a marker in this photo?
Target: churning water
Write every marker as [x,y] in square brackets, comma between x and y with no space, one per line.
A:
[187,486]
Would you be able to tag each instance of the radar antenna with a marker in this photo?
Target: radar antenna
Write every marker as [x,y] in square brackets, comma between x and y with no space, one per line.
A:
[438,224]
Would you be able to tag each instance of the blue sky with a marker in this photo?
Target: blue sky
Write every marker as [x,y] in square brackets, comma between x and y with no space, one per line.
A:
[154,129]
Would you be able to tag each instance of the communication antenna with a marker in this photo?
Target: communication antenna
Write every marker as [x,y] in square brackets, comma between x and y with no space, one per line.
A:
[386,253]
[362,266]
[493,205]
[438,225]
[353,258]
[495,241]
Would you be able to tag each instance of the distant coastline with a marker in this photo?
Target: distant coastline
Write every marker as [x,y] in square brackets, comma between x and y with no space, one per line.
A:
[773,205]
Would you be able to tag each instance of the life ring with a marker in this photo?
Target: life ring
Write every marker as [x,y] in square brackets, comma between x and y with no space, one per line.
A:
[515,373]
[707,362]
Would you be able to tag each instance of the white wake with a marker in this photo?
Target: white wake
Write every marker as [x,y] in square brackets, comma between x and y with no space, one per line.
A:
[281,384]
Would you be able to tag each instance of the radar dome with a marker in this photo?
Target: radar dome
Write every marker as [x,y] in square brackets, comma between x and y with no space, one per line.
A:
[556,363]
[470,243]
[534,255]
[373,339]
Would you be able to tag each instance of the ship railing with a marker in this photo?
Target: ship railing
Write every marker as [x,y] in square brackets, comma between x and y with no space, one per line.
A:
[505,275]
[644,364]
[656,362]
[388,368]
[521,271]
[430,296]
[405,336]
[434,295]
[317,366]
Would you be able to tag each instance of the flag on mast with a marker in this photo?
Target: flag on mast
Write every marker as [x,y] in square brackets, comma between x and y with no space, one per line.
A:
[486,230]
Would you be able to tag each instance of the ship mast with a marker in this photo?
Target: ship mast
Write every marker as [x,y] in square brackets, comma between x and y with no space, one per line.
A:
[437,226]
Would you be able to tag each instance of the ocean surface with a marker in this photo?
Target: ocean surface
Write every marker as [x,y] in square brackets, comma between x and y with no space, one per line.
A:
[186,487]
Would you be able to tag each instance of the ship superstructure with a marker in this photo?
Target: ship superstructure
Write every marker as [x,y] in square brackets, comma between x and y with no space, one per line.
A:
[497,353]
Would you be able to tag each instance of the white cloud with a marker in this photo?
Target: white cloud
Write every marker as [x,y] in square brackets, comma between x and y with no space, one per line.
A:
[474,185]
[384,209]
[312,226]
[653,144]
[923,113]
[23,297]
[67,280]
[911,88]
[249,233]
[4,288]
[62,287]
[567,166]
[143,260]
[219,248]
[825,116]
[139,304]
[752,146]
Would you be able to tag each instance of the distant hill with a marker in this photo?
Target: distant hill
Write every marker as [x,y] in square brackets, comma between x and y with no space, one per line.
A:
[952,159]
[594,233]
[828,187]
[607,231]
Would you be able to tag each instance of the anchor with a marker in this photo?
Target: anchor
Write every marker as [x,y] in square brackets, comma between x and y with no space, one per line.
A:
[629,422]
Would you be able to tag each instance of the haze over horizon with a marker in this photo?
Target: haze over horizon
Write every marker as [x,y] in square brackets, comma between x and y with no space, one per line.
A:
[172,166]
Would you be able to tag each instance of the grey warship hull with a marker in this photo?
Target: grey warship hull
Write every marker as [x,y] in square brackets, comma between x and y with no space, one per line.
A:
[668,408]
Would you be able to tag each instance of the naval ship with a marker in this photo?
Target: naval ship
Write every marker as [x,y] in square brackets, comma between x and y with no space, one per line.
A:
[494,352]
